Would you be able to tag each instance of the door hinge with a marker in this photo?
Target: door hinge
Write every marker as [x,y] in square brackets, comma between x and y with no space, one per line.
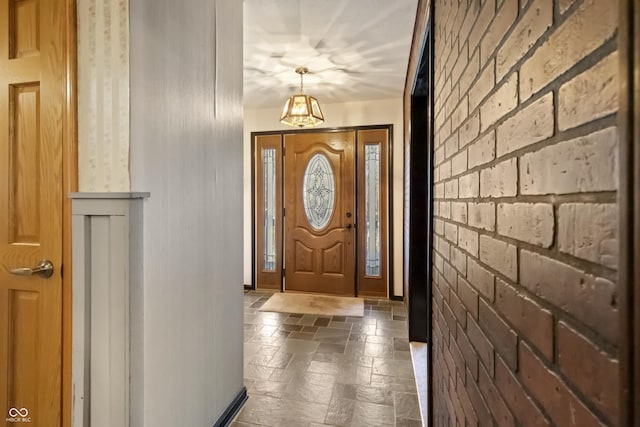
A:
[283,211]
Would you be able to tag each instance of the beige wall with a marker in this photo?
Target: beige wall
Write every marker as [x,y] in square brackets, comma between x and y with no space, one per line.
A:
[379,112]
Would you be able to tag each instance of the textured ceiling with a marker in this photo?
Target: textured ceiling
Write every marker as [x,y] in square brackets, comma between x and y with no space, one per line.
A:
[355,50]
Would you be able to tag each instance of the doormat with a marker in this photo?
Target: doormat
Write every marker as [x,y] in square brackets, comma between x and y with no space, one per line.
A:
[314,304]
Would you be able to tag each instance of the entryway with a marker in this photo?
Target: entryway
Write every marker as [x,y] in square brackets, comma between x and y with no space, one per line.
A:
[321,204]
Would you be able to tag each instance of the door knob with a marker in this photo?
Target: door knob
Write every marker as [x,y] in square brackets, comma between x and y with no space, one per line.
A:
[44,269]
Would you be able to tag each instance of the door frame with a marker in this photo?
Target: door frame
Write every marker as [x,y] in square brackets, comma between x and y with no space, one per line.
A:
[419,142]
[69,185]
[629,211]
[390,228]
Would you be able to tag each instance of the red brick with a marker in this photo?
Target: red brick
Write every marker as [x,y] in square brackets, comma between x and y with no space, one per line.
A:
[457,406]
[468,240]
[461,113]
[469,130]
[465,29]
[499,255]
[458,359]
[467,406]
[500,180]
[449,318]
[459,212]
[527,31]
[482,151]
[590,299]
[450,274]
[478,402]
[481,24]
[565,4]
[481,343]
[482,215]
[469,185]
[481,279]
[470,73]
[468,296]
[483,86]
[533,322]
[589,231]
[445,210]
[590,369]
[459,163]
[451,145]
[459,260]
[525,410]
[499,409]
[505,16]
[458,309]
[448,359]
[528,126]
[461,63]
[443,247]
[600,84]
[444,171]
[500,334]
[501,102]
[564,408]
[569,166]
[468,353]
[529,222]
[593,23]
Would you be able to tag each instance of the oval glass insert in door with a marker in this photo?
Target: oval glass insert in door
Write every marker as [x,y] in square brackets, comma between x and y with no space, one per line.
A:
[318,191]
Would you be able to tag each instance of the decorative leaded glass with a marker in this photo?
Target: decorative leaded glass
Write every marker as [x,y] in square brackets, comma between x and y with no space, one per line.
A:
[269,182]
[372,209]
[318,191]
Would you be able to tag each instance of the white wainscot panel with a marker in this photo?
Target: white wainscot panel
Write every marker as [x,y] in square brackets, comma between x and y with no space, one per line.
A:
[107,371]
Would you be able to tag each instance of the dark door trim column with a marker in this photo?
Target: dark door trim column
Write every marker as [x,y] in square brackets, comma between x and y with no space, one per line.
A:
[629,208]
[418,221]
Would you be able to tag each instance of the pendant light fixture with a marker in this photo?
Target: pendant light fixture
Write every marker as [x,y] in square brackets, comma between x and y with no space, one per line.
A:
[301,110]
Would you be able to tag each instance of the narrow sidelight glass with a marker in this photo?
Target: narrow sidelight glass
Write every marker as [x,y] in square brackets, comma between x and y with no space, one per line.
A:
[372,209]
[269,180]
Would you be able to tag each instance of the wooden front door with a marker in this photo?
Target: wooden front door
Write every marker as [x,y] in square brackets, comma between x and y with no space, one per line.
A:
[32,110]
[319,194]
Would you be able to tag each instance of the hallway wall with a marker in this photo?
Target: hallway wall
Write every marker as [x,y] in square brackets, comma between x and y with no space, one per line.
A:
[186,150]
[525,317]
[376,112]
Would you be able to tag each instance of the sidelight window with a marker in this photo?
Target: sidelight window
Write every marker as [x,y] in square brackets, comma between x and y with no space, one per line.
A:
[269,183]
[372,209]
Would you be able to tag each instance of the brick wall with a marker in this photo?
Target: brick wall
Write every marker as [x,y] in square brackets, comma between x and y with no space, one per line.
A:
[524,307]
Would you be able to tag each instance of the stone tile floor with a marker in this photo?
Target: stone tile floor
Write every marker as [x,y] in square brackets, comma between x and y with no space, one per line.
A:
[311,371]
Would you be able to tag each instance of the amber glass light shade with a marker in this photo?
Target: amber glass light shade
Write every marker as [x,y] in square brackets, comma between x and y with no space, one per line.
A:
[301,111]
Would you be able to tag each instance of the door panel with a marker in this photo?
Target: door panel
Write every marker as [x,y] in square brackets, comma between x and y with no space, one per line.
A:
[373,218]
[320,258]
[32,100]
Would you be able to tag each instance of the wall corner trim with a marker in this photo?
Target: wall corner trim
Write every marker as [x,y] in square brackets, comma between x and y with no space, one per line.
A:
[232,410]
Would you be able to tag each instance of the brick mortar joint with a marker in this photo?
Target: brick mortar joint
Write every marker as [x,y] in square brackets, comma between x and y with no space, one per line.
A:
[553,252]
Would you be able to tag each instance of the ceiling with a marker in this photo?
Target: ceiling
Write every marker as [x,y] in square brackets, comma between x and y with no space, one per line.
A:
[355,50]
